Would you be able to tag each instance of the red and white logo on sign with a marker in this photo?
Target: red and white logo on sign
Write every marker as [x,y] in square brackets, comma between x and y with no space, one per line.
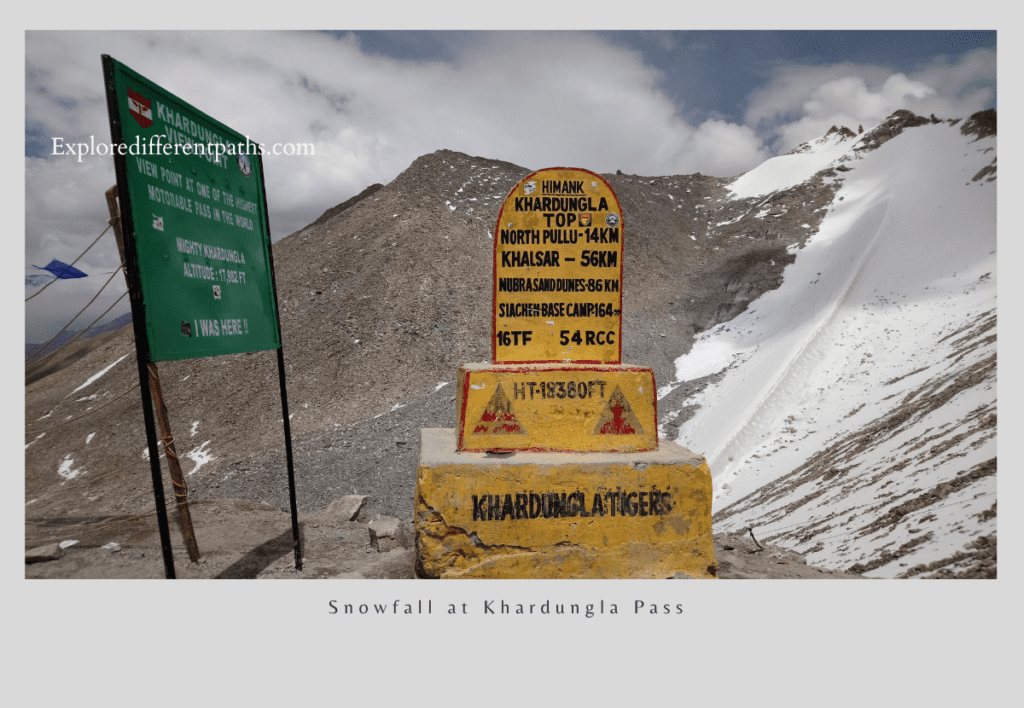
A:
[138,106]
[618,417]
[498,417]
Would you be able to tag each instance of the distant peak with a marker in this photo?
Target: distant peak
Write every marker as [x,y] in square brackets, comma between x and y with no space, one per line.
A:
[890,128]
[982,124]
[843,132]
[835,134]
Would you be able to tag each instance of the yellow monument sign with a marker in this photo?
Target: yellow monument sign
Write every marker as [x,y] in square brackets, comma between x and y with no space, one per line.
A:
[558,271]
[555,469]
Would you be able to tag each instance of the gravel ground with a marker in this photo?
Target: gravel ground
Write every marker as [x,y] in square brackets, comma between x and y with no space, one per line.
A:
[376,457]
[242,539]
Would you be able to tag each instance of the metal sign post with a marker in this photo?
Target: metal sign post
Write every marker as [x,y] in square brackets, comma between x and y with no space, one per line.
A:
[284,404]
[196,241]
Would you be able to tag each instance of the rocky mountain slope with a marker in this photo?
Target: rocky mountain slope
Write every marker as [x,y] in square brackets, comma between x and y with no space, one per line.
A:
[39,363]
[382,298]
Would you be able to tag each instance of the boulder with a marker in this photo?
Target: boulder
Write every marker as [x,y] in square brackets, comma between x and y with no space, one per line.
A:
[42,554]
[387,534]
[346,508]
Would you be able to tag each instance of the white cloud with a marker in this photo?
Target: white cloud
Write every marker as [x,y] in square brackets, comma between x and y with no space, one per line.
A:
[533,98]
[792,85]
[974,73]
[800,103]
[536,99]
[726,148]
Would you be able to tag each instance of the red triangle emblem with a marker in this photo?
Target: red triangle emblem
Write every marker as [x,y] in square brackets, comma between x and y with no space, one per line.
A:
[498,417]
[618,417]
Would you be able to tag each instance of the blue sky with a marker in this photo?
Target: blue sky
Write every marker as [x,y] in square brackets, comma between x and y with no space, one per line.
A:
[645,102]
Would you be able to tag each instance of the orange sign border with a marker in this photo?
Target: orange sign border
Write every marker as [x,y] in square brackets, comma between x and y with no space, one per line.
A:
[494,274]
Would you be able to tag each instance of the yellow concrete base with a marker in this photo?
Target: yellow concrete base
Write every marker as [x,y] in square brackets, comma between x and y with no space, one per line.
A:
[556,408]
[549,515]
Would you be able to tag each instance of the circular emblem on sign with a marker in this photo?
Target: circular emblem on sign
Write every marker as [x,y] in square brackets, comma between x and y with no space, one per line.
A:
[612,219]
[244,165]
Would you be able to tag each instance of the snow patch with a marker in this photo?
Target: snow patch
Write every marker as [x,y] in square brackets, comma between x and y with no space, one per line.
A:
[65,470]
[200,456]
[786,171]
[98,375]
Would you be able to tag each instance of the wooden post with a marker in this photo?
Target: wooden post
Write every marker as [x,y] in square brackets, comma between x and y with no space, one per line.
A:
[173,465]
[115,219]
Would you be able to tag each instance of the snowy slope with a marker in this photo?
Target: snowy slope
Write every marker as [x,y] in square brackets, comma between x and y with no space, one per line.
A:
[785,171]
[855,420]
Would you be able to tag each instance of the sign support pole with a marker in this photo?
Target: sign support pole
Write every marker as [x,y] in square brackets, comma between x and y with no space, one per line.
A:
[291,469]
[284,392]
[142,353]
[138,324]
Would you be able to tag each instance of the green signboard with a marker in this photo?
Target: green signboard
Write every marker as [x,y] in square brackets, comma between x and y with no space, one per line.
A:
[196,209]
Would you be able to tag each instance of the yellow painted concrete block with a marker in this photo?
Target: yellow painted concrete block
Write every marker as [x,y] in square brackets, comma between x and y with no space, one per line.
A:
[561,515]
[556,408]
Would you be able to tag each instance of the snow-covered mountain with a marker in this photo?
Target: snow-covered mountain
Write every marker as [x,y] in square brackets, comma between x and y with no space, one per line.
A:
[853,417]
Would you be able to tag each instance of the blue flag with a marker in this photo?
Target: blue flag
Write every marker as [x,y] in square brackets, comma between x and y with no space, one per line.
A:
[62,270]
